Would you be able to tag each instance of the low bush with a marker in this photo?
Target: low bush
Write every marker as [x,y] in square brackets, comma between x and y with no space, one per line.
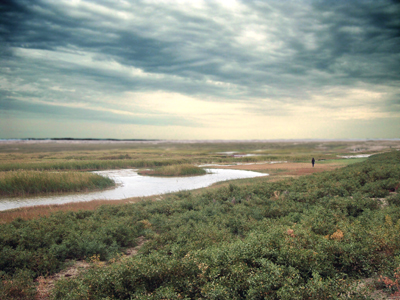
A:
[17,287]
[394,199]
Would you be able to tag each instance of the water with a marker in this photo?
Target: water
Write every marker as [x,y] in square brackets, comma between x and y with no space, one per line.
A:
[242,164]
[130,184]
[235,154]
[355,156]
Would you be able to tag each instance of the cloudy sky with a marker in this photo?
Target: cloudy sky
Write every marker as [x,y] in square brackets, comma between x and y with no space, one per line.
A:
[169,69]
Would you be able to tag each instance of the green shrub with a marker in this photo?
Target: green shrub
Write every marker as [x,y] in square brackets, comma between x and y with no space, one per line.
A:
[17,287]
[394,200]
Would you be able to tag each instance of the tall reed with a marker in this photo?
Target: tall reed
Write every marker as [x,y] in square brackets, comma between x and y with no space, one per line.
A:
[89,164]
[17,183]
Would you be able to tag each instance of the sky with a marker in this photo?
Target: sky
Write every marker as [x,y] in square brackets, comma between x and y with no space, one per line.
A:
[164,69]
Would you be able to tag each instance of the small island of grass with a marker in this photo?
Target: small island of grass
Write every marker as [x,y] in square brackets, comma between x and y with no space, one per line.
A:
[21,183]
[175,170]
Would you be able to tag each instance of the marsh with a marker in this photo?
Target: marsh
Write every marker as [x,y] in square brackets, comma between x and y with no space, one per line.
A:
[131,184]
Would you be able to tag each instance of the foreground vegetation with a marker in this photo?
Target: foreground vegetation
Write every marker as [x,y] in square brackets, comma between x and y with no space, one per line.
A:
[175,170]
[308,238]
[21,183]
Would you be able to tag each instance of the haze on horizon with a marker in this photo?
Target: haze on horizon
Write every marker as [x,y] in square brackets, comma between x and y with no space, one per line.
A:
[163,69]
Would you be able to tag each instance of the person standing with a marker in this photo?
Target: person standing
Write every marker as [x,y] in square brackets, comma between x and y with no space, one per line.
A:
[313,162]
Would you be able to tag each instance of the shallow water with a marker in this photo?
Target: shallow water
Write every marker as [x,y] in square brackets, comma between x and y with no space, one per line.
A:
[242,164]
[246,155]
[130,184]
[236,154]
[355,156]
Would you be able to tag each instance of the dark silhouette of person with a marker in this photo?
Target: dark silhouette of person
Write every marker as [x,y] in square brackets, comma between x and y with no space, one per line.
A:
[313,162]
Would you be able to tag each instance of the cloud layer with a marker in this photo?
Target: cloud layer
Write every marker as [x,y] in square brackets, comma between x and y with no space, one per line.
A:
[204,69]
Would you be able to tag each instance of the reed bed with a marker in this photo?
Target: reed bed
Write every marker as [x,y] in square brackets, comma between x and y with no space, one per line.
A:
[20,183]
[88,164]
[175,170]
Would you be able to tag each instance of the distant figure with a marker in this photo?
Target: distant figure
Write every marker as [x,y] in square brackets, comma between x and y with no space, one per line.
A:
[313,162]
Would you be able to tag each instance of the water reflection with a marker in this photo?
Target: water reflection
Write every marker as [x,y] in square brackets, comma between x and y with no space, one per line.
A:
[130,184]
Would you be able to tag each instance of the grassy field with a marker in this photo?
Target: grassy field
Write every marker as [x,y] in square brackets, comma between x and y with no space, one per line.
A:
[325,235]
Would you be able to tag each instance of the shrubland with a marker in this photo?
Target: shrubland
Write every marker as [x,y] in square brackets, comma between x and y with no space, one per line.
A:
[307,238]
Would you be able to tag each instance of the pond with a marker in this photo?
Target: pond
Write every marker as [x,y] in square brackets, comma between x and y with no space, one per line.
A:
[130,184]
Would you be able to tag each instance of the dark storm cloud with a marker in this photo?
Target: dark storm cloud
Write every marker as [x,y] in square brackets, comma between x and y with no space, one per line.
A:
[366,31]
[285,51]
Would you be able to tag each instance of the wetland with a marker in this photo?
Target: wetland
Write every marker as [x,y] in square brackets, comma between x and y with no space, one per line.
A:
[302,232]
[130,184]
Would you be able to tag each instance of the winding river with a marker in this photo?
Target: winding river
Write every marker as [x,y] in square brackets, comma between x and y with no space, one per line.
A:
[130,184]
